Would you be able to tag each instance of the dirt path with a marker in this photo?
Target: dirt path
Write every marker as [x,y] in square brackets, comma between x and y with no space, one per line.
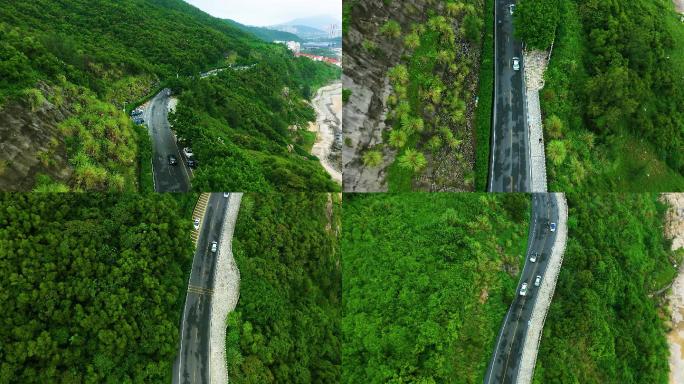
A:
[674,229]
[328,106]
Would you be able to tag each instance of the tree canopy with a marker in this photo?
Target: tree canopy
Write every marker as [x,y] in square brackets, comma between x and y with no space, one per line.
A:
[91,287]
[286,327]
[427,281]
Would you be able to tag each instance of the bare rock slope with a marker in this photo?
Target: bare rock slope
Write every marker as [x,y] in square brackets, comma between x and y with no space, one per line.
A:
[31,144]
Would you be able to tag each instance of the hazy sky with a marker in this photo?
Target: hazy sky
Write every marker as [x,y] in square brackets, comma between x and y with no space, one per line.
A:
[268,12]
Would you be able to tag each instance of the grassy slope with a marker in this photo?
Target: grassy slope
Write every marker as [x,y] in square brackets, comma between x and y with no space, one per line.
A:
[483,119]
[423,288]
[420,66]
[625,163]
[602,327]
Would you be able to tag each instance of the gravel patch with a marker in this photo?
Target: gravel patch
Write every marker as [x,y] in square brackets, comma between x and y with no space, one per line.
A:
[674,230]
[679,5]
[534,66]
[541,305]
[226,294]
[328,106]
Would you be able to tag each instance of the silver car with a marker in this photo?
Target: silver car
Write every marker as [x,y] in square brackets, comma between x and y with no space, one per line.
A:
[196,224]
[537,281]
[516,64]
[214,246]
[523,289]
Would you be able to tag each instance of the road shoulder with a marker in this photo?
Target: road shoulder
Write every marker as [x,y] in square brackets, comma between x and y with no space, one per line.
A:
[543,301]
[226,293]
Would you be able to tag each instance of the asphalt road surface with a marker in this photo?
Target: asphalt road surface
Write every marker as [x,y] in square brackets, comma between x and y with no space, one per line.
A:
[191,366]
[510,168]
[167,178]
[503,368]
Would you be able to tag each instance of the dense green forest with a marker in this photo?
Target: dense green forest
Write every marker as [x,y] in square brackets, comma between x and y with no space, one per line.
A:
[602,326]
[613,95]
[265,34]
[91,286]
[286,327]
[427,280]
[248,126]
[90,59]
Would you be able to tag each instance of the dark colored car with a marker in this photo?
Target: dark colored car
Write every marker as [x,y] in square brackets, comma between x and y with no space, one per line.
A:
[192,163]
[173,160]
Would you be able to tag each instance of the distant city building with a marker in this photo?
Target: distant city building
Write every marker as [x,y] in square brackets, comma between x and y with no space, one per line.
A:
[334,31]
[328,60]
[291,45]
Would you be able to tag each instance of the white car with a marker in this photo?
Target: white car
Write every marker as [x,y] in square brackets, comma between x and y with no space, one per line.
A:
[523,289]
[214,246]
[511,7]
[516,64]
[552,227]
[187,151]
[533,258]
[225,194]
[537,281]
[196,224]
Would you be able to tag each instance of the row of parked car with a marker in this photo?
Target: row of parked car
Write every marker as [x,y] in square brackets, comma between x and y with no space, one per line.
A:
[189,158]
[136,115]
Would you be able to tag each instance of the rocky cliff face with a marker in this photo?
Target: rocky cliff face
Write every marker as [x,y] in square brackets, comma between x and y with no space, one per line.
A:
[365,75]
[368,55]
[31,144]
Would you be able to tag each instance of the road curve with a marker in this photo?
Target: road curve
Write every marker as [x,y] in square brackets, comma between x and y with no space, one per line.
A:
[167,178]
[505,363]
[510,153]
[191,366]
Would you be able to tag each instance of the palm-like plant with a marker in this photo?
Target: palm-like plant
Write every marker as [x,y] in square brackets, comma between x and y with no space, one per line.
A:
[413,160]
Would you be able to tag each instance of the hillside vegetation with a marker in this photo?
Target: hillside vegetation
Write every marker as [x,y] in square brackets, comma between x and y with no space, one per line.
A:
[91,287]
[90,59]
[248,126]
[433,96]
[265,34]
[427,281]
[613,94]
[286,327]
[602,326]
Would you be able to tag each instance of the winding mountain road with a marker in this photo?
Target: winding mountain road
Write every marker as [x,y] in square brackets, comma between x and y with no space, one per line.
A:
[192,364]
[509,167]
[167,178]
[505,363]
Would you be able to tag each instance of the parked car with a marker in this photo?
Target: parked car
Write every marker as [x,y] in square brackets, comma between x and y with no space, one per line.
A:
[196,224]
[523,289]
[214,246]
[173,160]
[552,227]
[533,258]
[511,8]
[225,194]
[537,281]
[187,151]
[192,163]
[516,64]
